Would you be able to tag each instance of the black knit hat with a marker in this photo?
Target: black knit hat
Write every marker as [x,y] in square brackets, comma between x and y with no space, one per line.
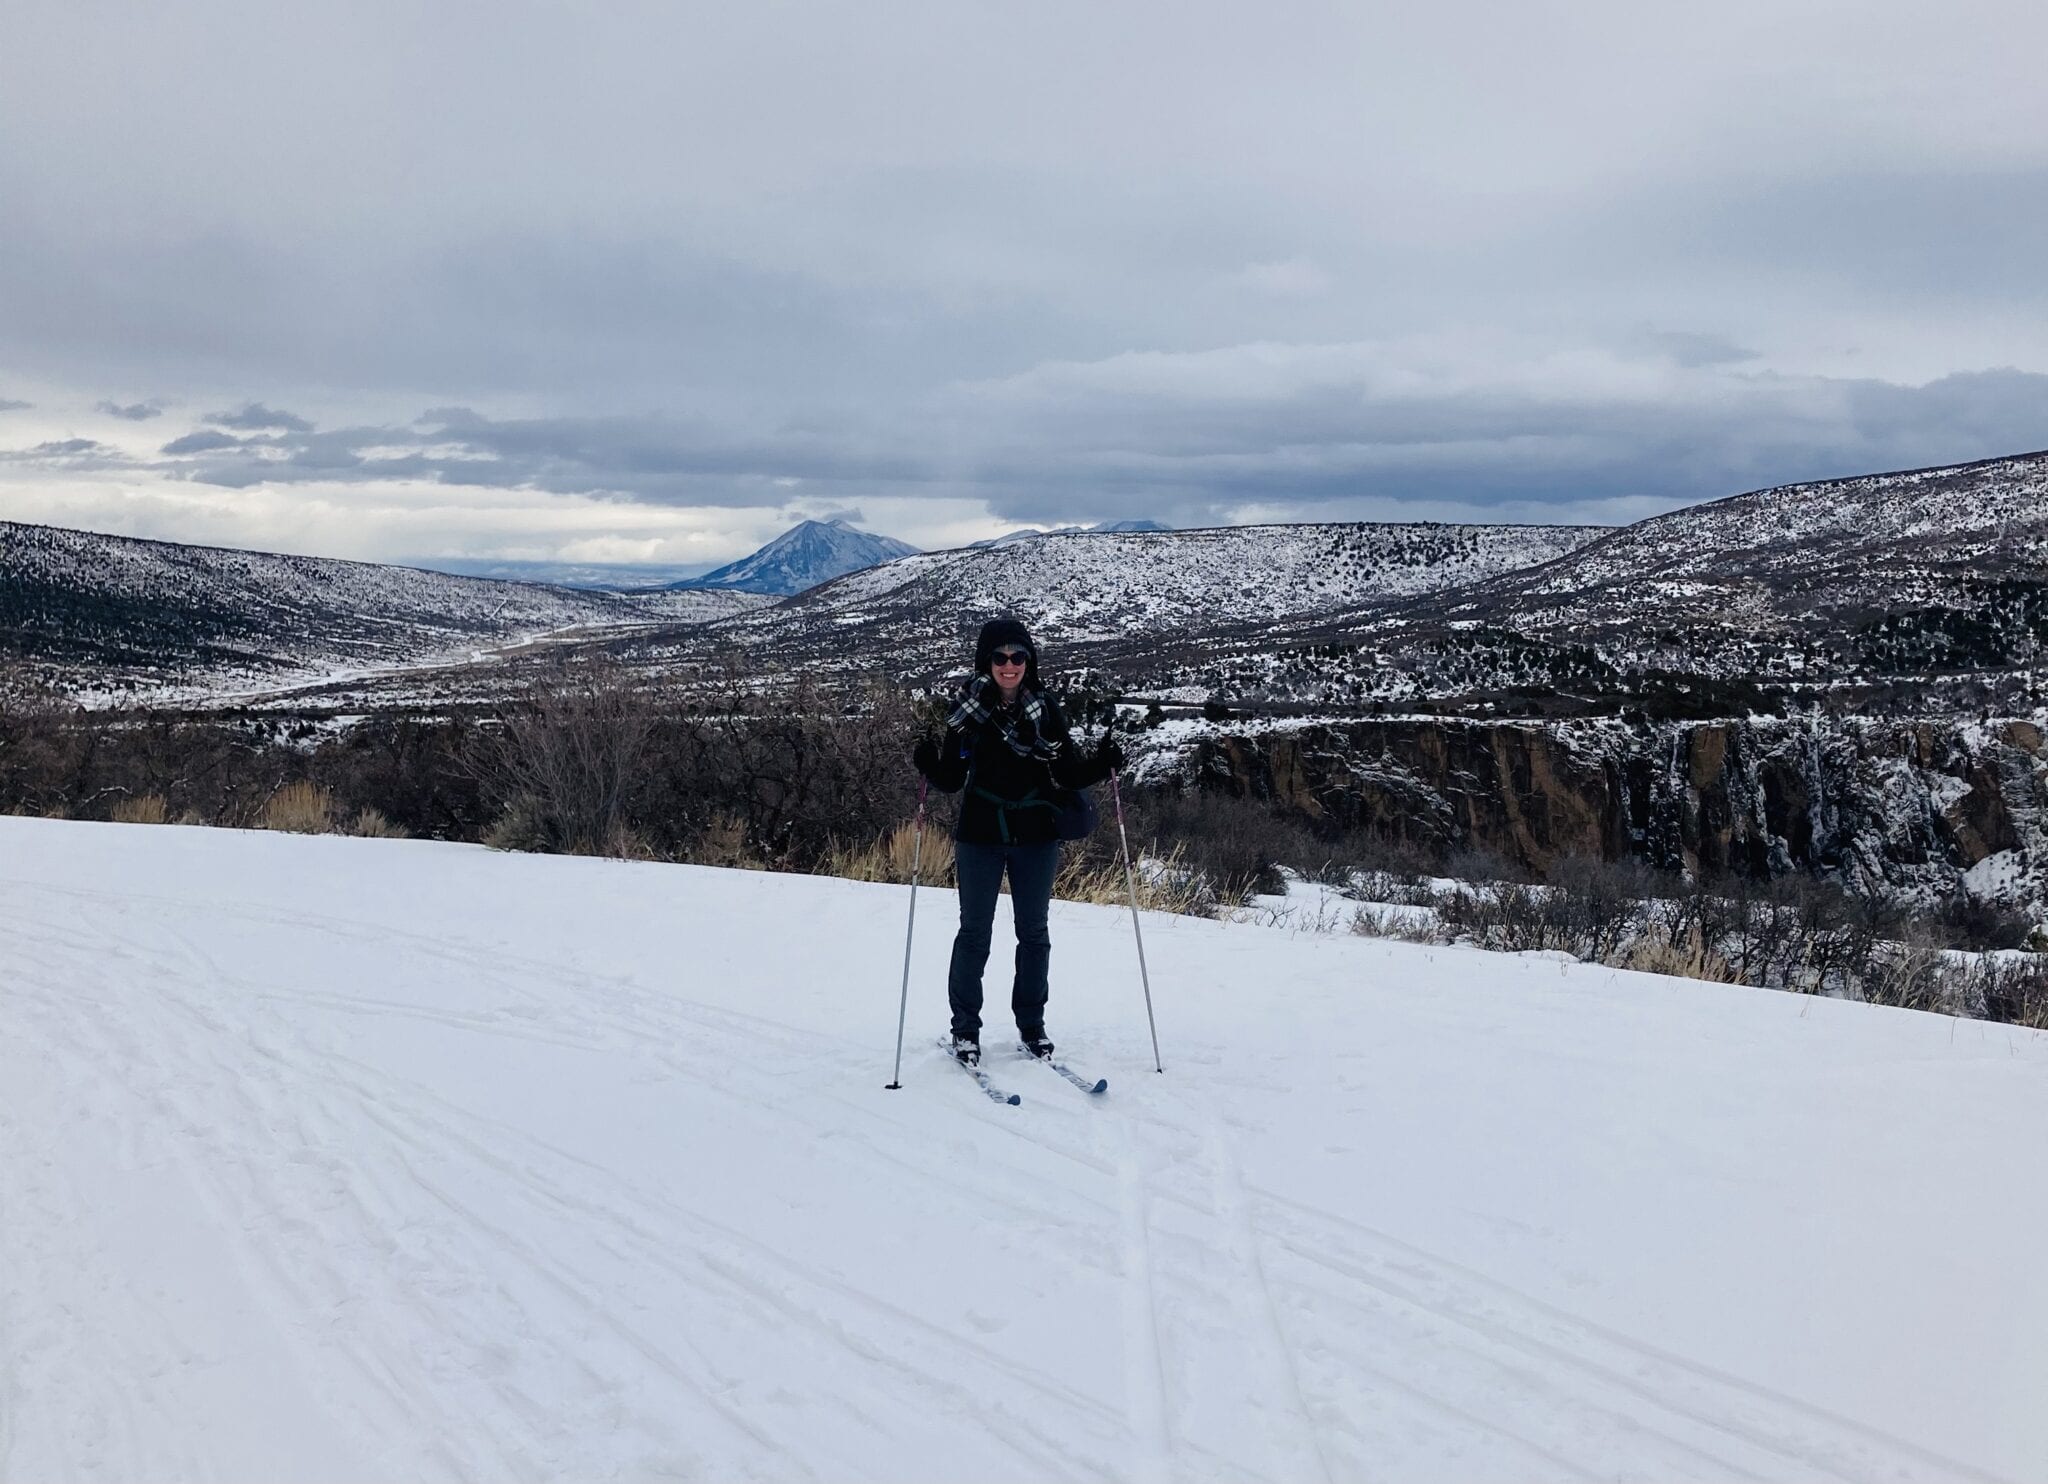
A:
[994,635]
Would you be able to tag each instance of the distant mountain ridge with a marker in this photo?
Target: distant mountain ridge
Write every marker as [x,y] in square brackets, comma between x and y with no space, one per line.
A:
[802,557]
[119,614]
[1031,533]
[1093,587]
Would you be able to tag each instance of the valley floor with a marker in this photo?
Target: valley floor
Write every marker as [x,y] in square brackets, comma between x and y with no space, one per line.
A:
[336,1159]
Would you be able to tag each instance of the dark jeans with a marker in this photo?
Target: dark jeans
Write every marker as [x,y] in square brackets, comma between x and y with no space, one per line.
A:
[980,869]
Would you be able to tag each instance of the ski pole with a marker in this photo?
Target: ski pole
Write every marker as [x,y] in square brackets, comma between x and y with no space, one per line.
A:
[1131,883]
[916,859]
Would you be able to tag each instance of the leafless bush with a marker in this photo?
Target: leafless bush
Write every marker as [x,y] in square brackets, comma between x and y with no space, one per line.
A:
[1601,906]
[2012,988]
[1911,975]
[1509,917]
[1978,924]
[1379,885]
[798,769]
[565,762]
[1239,845]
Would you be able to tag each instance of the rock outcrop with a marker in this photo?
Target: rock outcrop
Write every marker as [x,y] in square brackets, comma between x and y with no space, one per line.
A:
[1876,803]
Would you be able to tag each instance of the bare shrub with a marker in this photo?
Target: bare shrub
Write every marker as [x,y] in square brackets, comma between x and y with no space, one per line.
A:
[565,762]
[2013,988]
[1599,906]
[1911,975]
[414,771]
[798,768]
[1507,917]
[1240,845]
[1393,888]
[1370,920]
[148,809]
[300,808]
[1979,924]
[371,824]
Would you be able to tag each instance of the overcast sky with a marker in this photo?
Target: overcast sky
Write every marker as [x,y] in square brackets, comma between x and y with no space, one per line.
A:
[647,282]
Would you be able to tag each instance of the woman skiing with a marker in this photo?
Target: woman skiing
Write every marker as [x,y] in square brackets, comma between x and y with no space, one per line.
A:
[1008,745]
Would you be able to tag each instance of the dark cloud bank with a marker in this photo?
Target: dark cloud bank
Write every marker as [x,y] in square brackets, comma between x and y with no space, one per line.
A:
[1095,442]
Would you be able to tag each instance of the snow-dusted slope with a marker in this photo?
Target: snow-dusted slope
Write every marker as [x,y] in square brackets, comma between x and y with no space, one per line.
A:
[1145,584]
[346,1159]
[174,619]
[1807,561]
[1894,581]
[804,556]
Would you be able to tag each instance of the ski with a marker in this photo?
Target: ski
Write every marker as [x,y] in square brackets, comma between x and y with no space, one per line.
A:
[1094,1089]
[995,1093]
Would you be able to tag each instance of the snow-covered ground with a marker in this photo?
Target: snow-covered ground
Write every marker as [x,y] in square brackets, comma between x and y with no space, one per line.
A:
[352,1159]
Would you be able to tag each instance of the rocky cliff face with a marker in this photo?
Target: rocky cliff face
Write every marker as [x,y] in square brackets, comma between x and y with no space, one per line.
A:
[1877,803]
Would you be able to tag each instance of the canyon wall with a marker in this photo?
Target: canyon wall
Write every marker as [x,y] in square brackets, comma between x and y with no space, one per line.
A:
[1874,802]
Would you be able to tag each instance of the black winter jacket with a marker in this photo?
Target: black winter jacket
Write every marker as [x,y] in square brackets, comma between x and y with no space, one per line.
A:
[1010,798]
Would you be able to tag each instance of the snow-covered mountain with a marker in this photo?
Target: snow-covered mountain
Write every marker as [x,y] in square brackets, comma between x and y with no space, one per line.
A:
[1138,586]
[802,557]
[108,614]
[339,1159]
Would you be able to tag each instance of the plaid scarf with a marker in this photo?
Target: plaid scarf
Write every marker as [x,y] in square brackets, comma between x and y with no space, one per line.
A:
[1018,725]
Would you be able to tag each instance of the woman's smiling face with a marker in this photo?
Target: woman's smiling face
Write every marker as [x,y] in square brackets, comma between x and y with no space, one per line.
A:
[1007,666]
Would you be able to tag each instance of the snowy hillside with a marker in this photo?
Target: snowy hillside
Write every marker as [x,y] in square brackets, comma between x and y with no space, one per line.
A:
[1032,533]
[336,1159]
[1924,590]
[112,613]
[802,557]
[1140,586]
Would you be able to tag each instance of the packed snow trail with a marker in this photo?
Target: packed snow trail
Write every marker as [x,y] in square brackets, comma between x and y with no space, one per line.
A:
[346,1159]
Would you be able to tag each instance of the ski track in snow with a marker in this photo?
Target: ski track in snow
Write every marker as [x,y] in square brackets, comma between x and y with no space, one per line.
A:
[404,1255]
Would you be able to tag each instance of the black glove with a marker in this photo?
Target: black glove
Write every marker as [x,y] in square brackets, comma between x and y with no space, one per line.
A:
[1109,757]
[925,756]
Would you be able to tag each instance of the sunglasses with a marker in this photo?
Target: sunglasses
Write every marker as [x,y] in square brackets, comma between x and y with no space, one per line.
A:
[1009,656]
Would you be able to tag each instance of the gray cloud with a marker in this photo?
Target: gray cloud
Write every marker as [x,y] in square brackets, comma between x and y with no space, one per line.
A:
[8,404]
[206,440]
[65,447]
[254,417]
[1323,431]
[135,412]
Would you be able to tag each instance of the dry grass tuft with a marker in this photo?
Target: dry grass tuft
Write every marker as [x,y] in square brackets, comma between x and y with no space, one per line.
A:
[724,842]
[1168,885]
[1163,883]
[299,808]
[148,809]
[1685,956]
[890,858]
[372,825]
